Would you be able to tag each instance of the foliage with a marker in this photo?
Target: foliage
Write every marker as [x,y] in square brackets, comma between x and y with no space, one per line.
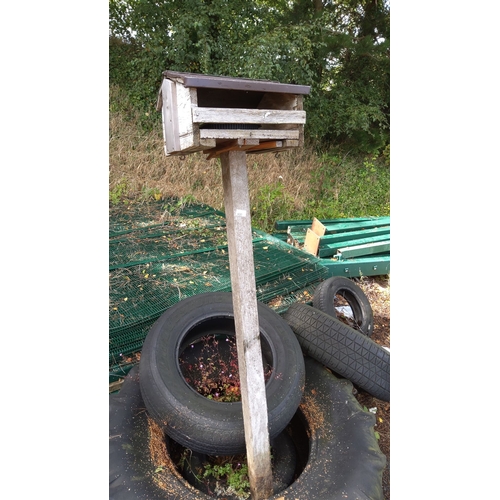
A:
[234,475]
[117,194]
[272,203]
[213,372]
[148,194]
[387,154]
[340,49]
[138,74]
[343,187]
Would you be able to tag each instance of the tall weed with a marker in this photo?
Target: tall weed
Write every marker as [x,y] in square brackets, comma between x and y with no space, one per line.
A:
[272,203]
[349,187]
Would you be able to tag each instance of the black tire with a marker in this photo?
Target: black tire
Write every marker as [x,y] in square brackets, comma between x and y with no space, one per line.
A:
[134,471]
[333,436]
[284,461]
[324,297]
[344,350]
[343,458]
[196,422]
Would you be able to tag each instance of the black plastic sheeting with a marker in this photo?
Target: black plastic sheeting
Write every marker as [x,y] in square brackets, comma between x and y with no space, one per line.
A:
[341,458]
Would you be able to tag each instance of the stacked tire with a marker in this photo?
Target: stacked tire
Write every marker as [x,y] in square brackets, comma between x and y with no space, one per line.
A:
[194,421]
[329,461]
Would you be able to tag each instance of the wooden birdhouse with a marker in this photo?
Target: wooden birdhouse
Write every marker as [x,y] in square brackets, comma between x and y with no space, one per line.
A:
[214,114]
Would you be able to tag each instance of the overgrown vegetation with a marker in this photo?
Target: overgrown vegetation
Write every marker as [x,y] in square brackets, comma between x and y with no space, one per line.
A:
[296,184]
[213,368]
[219,476]
[340,49]
[231,478]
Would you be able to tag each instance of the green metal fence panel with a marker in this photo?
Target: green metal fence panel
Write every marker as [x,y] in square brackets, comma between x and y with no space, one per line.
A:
[162,252]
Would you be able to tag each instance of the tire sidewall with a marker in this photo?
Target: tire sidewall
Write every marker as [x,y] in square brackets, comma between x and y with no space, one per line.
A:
[181,410]
[325,293]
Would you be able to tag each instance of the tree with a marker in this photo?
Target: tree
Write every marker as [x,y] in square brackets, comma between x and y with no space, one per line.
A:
[340,49]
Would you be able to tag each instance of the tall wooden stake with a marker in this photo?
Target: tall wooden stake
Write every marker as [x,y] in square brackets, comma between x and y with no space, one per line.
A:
[241,268]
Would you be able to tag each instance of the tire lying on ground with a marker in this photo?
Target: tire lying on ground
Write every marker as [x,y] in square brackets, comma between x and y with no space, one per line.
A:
[140,463]
[324,300]
[139,467]
[339,347]
[343,456]
[337,452]
[192,420]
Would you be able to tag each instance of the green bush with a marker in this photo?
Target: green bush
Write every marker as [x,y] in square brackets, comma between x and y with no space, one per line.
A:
[349,187]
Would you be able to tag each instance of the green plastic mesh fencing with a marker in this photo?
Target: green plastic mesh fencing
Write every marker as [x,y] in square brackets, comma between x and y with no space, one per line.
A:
[162,252]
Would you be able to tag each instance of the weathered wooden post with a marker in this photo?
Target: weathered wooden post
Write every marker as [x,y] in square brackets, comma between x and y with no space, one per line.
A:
[230,117]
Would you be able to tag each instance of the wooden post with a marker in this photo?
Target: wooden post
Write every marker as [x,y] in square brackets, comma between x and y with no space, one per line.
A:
[241,268]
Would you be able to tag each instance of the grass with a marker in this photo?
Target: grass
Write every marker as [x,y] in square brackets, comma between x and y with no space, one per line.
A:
[295,184]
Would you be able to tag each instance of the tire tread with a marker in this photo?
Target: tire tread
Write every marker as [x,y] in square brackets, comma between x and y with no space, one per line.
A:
[342,349]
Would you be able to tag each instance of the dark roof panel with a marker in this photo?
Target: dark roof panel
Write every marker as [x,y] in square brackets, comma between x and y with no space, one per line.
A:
[229,83]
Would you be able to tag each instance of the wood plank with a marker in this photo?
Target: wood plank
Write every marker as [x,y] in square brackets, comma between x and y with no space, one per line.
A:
[317,227]
[285,146]
[204,144]
[266,145]
[234,145]
[311,243]
[271,150]
[290,143]
[242,272]
[262,116]
[169,117]
[301,135]
[261,134]
[232,83]
[188,132]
